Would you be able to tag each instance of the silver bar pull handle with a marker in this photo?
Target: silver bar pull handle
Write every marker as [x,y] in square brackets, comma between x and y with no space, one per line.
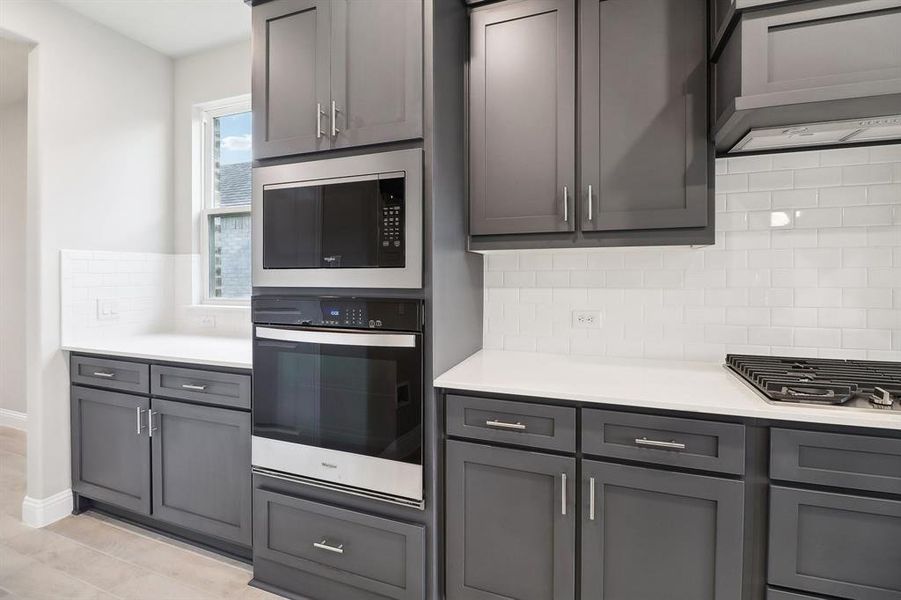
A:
[104,374]
[138,412]
[590,204]
[565,204]
[563,494]
[673,445]
[319,114]
[504,425]
[591,498]
[150,427]
[335,111]
[193,387]
[323,545]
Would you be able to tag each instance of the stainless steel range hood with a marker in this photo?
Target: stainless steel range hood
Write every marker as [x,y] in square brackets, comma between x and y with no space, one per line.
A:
[790,75]
[830,133]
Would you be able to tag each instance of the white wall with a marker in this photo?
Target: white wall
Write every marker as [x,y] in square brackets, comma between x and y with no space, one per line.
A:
[99,178]
[13,122]
[807,262]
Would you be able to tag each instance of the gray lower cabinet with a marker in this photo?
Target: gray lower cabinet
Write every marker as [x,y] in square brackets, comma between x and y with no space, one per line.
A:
[840,545]
[644,156]
[335,73]
[511,524]
[380,558]
[201,469]
[650,533]
[522,117]
[110,448]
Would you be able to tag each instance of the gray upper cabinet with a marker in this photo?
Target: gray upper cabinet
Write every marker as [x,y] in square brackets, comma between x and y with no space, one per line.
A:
[111,448]
[291,77]
[643,120]
[522,117]
[657,534]
[201,469]
[335,73]
[510,524]
[376,71]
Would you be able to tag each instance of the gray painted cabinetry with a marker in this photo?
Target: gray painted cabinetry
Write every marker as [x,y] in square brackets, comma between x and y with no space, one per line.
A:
[174,462]
[335,73]
[644,158]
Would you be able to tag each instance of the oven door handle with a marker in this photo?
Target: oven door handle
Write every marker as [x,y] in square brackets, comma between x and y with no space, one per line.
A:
[338,338]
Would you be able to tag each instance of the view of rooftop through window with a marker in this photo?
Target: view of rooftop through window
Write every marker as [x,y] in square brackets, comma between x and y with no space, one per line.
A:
[229,217]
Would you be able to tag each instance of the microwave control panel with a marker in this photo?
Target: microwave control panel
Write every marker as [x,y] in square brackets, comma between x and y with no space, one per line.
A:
[391,223]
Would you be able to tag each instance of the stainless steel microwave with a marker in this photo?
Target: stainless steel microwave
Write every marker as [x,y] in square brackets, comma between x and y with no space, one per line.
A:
[350,222]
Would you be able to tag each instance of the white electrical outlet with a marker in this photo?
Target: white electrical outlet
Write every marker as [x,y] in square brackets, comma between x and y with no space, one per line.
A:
[208,321]
[107,310]
[586,319]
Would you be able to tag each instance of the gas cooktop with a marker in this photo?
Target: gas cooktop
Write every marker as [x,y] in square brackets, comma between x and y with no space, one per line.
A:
[857,383]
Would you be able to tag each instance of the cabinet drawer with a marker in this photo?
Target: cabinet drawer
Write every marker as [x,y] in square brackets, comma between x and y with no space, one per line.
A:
[835,544]
[210,387]
[836,459]
[521,423]
[690,443]
[378,555]
[112,374]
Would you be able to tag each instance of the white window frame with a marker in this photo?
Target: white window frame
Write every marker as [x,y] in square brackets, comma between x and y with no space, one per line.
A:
[208,112]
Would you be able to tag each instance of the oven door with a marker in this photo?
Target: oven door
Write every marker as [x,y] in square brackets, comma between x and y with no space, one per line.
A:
[350,222]
[340,406]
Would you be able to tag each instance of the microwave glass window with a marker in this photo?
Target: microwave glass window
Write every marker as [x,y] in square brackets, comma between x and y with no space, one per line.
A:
[353,225]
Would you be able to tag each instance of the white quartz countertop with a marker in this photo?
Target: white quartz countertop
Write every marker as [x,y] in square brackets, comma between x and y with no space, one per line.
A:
[215,351]
[671,385]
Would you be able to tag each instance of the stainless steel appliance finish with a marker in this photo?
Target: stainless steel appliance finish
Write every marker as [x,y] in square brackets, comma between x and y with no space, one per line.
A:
[338,394]
[829,133]
[327,224]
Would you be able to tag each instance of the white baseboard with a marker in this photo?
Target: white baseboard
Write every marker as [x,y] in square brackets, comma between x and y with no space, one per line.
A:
[13,419]
[43,512]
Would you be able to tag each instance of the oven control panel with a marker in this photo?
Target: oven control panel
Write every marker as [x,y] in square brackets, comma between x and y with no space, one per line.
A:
[345,313]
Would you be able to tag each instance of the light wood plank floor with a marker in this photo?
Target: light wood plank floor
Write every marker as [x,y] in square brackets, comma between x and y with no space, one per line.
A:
[94,557]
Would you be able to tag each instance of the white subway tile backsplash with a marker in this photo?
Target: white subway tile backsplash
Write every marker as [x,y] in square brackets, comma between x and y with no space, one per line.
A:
[807,262]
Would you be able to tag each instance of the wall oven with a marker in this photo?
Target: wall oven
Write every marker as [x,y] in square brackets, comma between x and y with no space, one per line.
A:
[338,394]
[351,222]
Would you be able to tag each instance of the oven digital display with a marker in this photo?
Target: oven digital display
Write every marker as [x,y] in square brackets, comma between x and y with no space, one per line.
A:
[334,312]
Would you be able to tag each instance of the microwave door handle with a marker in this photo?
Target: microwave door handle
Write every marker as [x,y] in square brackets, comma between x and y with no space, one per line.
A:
[336,338]
[322,182]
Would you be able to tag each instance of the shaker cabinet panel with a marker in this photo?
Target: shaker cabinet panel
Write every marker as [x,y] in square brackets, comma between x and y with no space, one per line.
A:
[201,469]
[510,524]
[657,534]
[111,448]
[376,71]
[643,117]
[290,77]
[522,117]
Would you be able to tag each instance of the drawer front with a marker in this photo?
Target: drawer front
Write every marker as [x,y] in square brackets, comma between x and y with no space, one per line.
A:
[117,375]
[773,594]
[521,423]
[835,544]
[378,555]
[836,459]
[688,443]
[223,389]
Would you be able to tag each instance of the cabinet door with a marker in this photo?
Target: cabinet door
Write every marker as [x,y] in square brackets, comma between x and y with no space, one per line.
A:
[201,469]
[659,534]
[110,448]
[643,118]
[522,117]
[290,77]
[376,72]
[837,544]
[510,524]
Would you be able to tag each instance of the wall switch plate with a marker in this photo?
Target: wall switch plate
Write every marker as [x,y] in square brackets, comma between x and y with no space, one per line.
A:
[208,321]
[107,310]
[586,319]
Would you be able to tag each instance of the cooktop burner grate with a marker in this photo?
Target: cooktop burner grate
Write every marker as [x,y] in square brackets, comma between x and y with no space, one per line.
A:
[816,380]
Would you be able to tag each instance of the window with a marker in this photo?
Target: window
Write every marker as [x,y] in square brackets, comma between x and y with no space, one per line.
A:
[225,216]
